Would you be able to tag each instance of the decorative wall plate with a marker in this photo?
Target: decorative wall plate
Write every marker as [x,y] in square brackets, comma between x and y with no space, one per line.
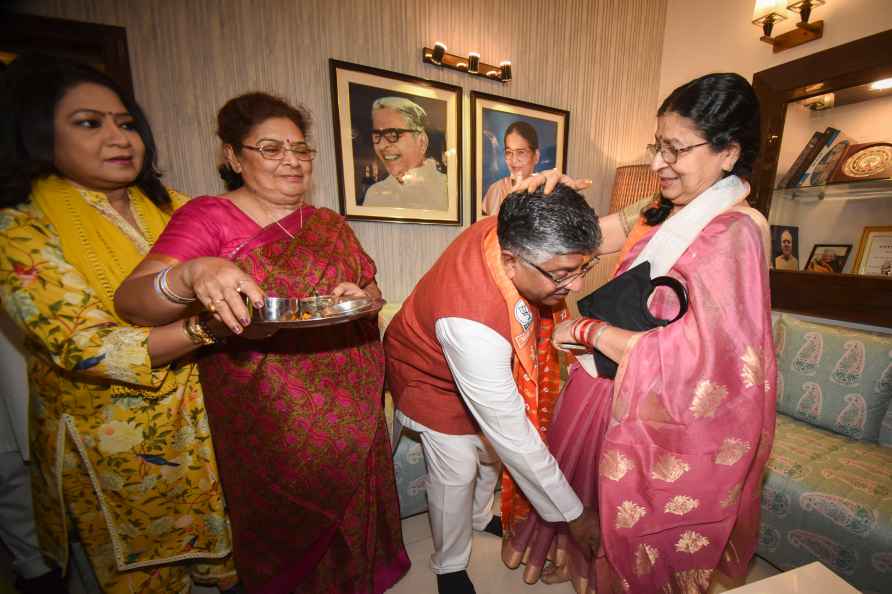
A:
[866,161]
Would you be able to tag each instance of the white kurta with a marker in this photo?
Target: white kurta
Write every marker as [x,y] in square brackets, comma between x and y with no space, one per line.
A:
[421,188]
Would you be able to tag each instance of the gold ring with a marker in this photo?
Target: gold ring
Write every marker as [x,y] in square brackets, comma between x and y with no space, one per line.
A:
[211,307]
[220,300]
[238,287]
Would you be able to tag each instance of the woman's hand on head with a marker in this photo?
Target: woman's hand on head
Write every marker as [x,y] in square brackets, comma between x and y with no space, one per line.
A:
[221,286]
[550,178]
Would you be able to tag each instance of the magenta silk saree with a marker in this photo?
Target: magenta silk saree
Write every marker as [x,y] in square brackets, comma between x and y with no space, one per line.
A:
[671,453]
[298,426]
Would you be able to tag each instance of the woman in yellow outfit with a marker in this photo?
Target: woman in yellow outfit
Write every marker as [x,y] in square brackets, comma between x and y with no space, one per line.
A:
[120,443]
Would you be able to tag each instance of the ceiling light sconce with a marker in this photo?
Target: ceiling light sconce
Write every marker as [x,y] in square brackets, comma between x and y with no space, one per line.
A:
[767,12]
[438,56]
[881,85]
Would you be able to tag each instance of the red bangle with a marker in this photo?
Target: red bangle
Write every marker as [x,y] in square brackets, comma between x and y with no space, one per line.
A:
[585,331]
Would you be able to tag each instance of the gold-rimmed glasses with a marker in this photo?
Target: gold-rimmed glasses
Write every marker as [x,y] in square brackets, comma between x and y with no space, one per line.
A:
[669,153]
[275,151]
[565,280]
[518,155]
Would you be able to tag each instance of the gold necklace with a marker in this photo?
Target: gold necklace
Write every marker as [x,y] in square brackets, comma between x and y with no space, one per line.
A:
[275,220]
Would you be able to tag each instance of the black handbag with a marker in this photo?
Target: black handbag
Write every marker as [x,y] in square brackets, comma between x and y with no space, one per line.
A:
[622,302]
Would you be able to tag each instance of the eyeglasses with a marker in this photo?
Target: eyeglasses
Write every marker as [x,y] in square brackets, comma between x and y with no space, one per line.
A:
[563,281]
[519,155]
[391,134]
[275,151]
[669,153]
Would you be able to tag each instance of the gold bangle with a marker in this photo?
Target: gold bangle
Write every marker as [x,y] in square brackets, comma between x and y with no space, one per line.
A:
[196,333]
[598,334]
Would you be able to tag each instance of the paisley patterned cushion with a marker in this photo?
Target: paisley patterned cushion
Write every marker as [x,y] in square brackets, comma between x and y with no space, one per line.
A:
[828,498]
[833,377]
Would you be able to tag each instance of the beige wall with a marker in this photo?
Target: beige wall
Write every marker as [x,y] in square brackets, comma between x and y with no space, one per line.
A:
[704,36]
[598,59]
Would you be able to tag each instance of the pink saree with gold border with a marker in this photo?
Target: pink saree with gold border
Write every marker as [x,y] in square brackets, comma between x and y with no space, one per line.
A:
[671,453]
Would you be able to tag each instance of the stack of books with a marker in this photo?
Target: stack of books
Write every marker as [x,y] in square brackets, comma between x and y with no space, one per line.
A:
[817,161]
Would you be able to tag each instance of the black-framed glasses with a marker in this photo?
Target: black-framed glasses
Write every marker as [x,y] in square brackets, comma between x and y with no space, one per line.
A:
[391,135]
[565,280]
[275,151]
[669,153]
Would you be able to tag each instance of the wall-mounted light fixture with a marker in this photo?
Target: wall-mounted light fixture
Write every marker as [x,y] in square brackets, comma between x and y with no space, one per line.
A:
[768,12]
[438,56]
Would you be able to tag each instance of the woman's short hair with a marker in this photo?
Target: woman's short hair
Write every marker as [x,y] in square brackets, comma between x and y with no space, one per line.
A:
[32,87]
[526,131]
[725,109]
[240,115]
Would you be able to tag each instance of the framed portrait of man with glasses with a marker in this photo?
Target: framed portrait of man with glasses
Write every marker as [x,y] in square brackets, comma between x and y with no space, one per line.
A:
[398,145]
[510,141]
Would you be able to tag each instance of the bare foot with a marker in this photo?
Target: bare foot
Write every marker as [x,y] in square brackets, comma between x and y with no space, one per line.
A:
[552,574]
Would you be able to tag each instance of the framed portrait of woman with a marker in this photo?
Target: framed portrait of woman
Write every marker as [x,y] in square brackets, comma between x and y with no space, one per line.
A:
[398,145]
[512,140]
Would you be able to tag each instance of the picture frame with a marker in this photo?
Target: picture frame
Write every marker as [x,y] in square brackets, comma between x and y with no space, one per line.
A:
[784,247]
[828,257]
[874,255]
[497,122]
[102,46]
[414,174]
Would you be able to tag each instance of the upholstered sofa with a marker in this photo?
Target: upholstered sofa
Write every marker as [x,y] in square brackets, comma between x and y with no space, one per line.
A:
[828,488]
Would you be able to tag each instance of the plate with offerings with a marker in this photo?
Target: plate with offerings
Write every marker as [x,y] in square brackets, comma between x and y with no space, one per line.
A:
[311,312]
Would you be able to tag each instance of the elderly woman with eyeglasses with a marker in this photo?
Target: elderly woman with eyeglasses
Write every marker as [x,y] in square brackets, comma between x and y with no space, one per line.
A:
[671,451]
[296,417]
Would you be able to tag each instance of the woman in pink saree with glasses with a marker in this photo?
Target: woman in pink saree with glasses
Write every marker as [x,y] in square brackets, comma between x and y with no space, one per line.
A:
[296,417]
[672,450]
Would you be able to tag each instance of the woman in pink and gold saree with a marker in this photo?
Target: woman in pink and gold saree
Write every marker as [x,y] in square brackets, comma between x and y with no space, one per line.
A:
[296,417]
[671,451]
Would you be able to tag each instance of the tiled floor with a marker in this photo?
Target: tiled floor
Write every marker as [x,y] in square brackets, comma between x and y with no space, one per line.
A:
[489,574]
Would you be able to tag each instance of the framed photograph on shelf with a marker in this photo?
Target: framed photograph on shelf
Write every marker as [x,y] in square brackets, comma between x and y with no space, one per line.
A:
[874,255]
[398,145]
[511,140]
[828,257]
[784,247]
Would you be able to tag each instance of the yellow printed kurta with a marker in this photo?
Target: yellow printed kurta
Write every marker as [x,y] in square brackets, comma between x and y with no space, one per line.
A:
[98,407]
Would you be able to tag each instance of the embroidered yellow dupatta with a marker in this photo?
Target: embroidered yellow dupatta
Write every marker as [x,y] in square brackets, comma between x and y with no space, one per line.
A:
[97,240]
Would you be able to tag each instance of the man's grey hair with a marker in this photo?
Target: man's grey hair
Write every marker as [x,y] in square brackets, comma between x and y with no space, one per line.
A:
[416,117]
[538,226]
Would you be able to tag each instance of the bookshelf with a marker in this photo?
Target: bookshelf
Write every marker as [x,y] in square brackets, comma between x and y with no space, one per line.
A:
[866,190]
[833,215]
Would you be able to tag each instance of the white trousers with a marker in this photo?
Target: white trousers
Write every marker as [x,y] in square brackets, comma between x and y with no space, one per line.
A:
[17,517]
[462,471]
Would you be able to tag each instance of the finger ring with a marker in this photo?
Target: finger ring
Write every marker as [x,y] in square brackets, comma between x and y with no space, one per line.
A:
[219,300]
[212,308]
[238,287]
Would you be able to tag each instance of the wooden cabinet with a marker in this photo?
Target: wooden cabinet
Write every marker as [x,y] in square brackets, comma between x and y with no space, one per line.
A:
[834,214]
